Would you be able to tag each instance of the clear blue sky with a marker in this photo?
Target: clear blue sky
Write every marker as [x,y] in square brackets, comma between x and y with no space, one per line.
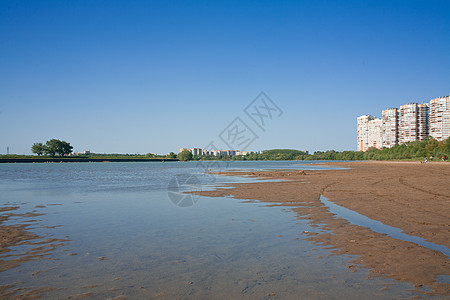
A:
[154,76]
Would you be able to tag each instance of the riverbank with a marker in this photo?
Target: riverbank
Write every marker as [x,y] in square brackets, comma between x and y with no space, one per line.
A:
[411,196]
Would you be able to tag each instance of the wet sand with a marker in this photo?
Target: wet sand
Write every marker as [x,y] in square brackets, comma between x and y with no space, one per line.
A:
[411,196]
[18,235]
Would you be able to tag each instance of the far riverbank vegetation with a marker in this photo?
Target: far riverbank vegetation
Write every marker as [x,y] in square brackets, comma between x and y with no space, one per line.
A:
[418,150]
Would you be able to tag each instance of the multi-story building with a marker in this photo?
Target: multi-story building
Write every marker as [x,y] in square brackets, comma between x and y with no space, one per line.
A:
[206,152]
[440,118]
[364,139]
[407,123]
[196,151]
[220,152]
[362,132]
[422,121]
[199,151]
[231,152]
[389,127]
[412,122]
[374,135]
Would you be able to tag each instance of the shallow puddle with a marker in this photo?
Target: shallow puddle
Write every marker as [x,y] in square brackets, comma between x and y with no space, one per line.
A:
[377,226]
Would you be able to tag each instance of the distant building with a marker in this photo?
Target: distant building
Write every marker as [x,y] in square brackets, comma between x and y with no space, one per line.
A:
[408,128]
[411,122]
[80,153]
[199,151]
[206,152]
[440,118]
[244,152]
[374,135]
[231,152]
[423,121]
[363,132]
[196,151]
[389,127]
[220,152]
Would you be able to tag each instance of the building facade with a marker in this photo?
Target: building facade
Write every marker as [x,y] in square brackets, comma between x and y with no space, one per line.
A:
[368,132]
[407,123]
[389,127]
[374,135]
[199,151]
[440,118]
[423,121]
[411,122]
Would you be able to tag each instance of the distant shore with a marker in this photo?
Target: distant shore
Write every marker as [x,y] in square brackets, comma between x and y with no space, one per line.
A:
[74,159]
[411,196]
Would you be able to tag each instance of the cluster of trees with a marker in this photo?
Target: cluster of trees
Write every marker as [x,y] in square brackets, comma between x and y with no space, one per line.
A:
[52,147]
[170,155]
[412,150]
[185,155]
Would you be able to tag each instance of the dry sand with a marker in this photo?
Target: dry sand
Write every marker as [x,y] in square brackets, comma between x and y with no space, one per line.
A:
[411,196]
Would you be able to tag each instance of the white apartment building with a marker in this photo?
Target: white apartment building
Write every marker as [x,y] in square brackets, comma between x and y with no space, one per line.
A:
[407,123]
[374,134]
[362,132]
[440,118]
[364,142]
[412,122]
[389,127]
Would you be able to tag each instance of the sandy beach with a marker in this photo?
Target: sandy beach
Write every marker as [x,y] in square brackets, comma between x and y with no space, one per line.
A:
[411,196]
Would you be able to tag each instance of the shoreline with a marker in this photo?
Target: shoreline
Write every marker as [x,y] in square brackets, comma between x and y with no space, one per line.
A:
[411,196]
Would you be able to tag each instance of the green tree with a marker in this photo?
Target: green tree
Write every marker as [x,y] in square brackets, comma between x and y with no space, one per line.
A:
[55,146]
[51,147]
[64,148]
[171,155]
[431,145]
[185,155]
[38,148]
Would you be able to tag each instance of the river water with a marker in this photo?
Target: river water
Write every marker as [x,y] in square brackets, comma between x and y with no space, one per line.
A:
[127,230]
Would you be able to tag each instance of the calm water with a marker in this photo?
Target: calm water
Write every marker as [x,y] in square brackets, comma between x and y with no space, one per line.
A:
[135,234]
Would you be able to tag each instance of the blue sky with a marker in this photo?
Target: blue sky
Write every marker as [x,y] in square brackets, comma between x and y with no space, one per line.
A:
[154,76]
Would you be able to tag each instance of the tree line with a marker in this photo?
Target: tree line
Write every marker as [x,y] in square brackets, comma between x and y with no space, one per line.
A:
[52,148]
[427,148]
[413,150]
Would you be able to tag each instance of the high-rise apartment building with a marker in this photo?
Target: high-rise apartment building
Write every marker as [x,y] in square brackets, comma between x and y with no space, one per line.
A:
[412,122]
[375,136]
[407,123]
[368,133]
[422,121]
[362,137]
[389,127]
[440,118]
